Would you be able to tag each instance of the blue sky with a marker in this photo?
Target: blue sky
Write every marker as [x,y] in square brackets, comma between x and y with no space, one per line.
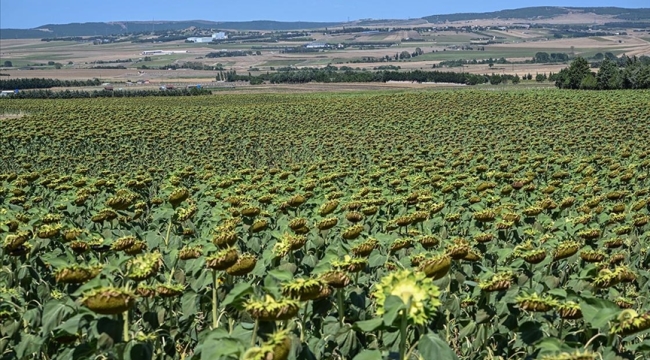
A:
[33,13]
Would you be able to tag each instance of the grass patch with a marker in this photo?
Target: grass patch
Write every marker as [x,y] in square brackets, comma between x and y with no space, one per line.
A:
[283,62]
[600,39]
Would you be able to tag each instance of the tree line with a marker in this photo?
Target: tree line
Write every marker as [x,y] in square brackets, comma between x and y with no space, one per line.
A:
[544,57]
[630,73]
[36,83]
[328,75]
[77,94]
[218,54]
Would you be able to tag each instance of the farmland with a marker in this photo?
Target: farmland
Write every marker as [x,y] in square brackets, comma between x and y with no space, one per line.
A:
[121,61]
[448,224]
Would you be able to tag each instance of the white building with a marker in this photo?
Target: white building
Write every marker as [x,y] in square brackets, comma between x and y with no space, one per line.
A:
[200,39]
[316,45]
[163,52]
[216,36]
[219,36]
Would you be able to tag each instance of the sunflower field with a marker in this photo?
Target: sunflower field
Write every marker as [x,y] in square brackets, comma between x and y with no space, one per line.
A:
[408,225]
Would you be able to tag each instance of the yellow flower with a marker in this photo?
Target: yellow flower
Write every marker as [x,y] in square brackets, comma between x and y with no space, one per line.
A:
[416,291]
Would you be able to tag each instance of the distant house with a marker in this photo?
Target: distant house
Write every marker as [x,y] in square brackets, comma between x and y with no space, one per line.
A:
[108,88]
[216,36]
[200,39]
[152,52]
[6,93]
[219,36]
[316,45]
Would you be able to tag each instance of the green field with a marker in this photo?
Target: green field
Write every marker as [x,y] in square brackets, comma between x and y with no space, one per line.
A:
[280,63]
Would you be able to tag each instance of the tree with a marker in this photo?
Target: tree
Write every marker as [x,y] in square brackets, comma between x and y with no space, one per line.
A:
[8,64]
[578,70]
[540,77]
[541,57]
[608,77]
[589,82]
[559,57]
[516,80]
[404,55]
[644,77]
[572,77]
[610,56]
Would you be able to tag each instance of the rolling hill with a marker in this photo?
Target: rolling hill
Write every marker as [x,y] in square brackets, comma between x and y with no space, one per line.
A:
[543,12]
[113,28]
[116,28]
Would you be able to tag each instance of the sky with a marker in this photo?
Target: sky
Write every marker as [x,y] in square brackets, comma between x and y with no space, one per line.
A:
[23,14]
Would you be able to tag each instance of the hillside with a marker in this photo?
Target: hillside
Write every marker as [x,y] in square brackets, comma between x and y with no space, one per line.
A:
[543,12]
[116,28]
[113,28]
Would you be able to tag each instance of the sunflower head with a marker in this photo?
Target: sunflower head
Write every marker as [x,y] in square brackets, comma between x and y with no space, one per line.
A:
[498,282]
[535,303]
[569,310]
[303,289]
[630,322]
[145,266]
[416,291]
[270,309]
[277,347]
[436,267]
[350,264]
[605,279]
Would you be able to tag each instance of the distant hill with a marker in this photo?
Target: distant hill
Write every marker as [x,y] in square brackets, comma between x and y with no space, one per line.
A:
[115,28]
[543,12]
[125,27]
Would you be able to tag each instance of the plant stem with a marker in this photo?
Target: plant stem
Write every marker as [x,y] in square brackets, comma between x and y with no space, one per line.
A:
[254,339]
[13,272]
[549,268]
[561,328]
[125,329]
[215,300]
[303,323]
[447,327]
[169,229]
[341,307]
[402,331]
[171,311]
